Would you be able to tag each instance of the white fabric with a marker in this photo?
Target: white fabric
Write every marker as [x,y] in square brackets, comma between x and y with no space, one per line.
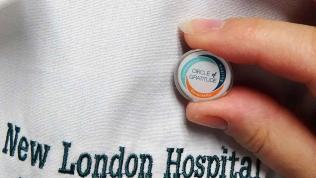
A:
[98,74]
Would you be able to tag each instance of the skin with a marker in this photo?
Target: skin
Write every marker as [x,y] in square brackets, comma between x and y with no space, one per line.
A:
[257,122]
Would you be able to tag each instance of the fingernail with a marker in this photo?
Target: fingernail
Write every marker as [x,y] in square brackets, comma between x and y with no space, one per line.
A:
[198,26]
[212,122]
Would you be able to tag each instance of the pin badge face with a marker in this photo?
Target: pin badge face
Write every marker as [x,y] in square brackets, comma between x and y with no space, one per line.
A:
[203,76]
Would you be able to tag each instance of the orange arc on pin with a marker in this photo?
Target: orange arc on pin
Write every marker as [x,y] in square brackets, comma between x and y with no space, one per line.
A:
[202,95]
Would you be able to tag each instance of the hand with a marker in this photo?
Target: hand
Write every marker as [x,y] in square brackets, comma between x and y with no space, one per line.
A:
[253,119]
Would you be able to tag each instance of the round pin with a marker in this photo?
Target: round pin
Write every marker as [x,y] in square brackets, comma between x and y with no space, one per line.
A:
[202,75]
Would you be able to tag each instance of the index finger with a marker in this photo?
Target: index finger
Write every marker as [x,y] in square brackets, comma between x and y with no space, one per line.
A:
[283,48]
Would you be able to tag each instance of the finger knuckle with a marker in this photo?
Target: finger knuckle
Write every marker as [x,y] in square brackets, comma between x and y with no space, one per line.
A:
[245,29]
[258,140]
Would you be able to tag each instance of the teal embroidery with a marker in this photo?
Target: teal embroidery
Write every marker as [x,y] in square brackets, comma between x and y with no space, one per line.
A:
[12,141]
[99,158]
[144,158]
[224,159]
[190,159]
[39,152]
[84,164]
[171,162]
[211,160]
[86,172]
[200,160]
[118,157]
[258,164]
[245,171]
[127,165]
[233,160]
[213,166]
[23,148]
[63,168]
[135,165]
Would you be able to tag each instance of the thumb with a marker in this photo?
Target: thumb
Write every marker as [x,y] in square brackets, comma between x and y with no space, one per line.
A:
[264,128]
